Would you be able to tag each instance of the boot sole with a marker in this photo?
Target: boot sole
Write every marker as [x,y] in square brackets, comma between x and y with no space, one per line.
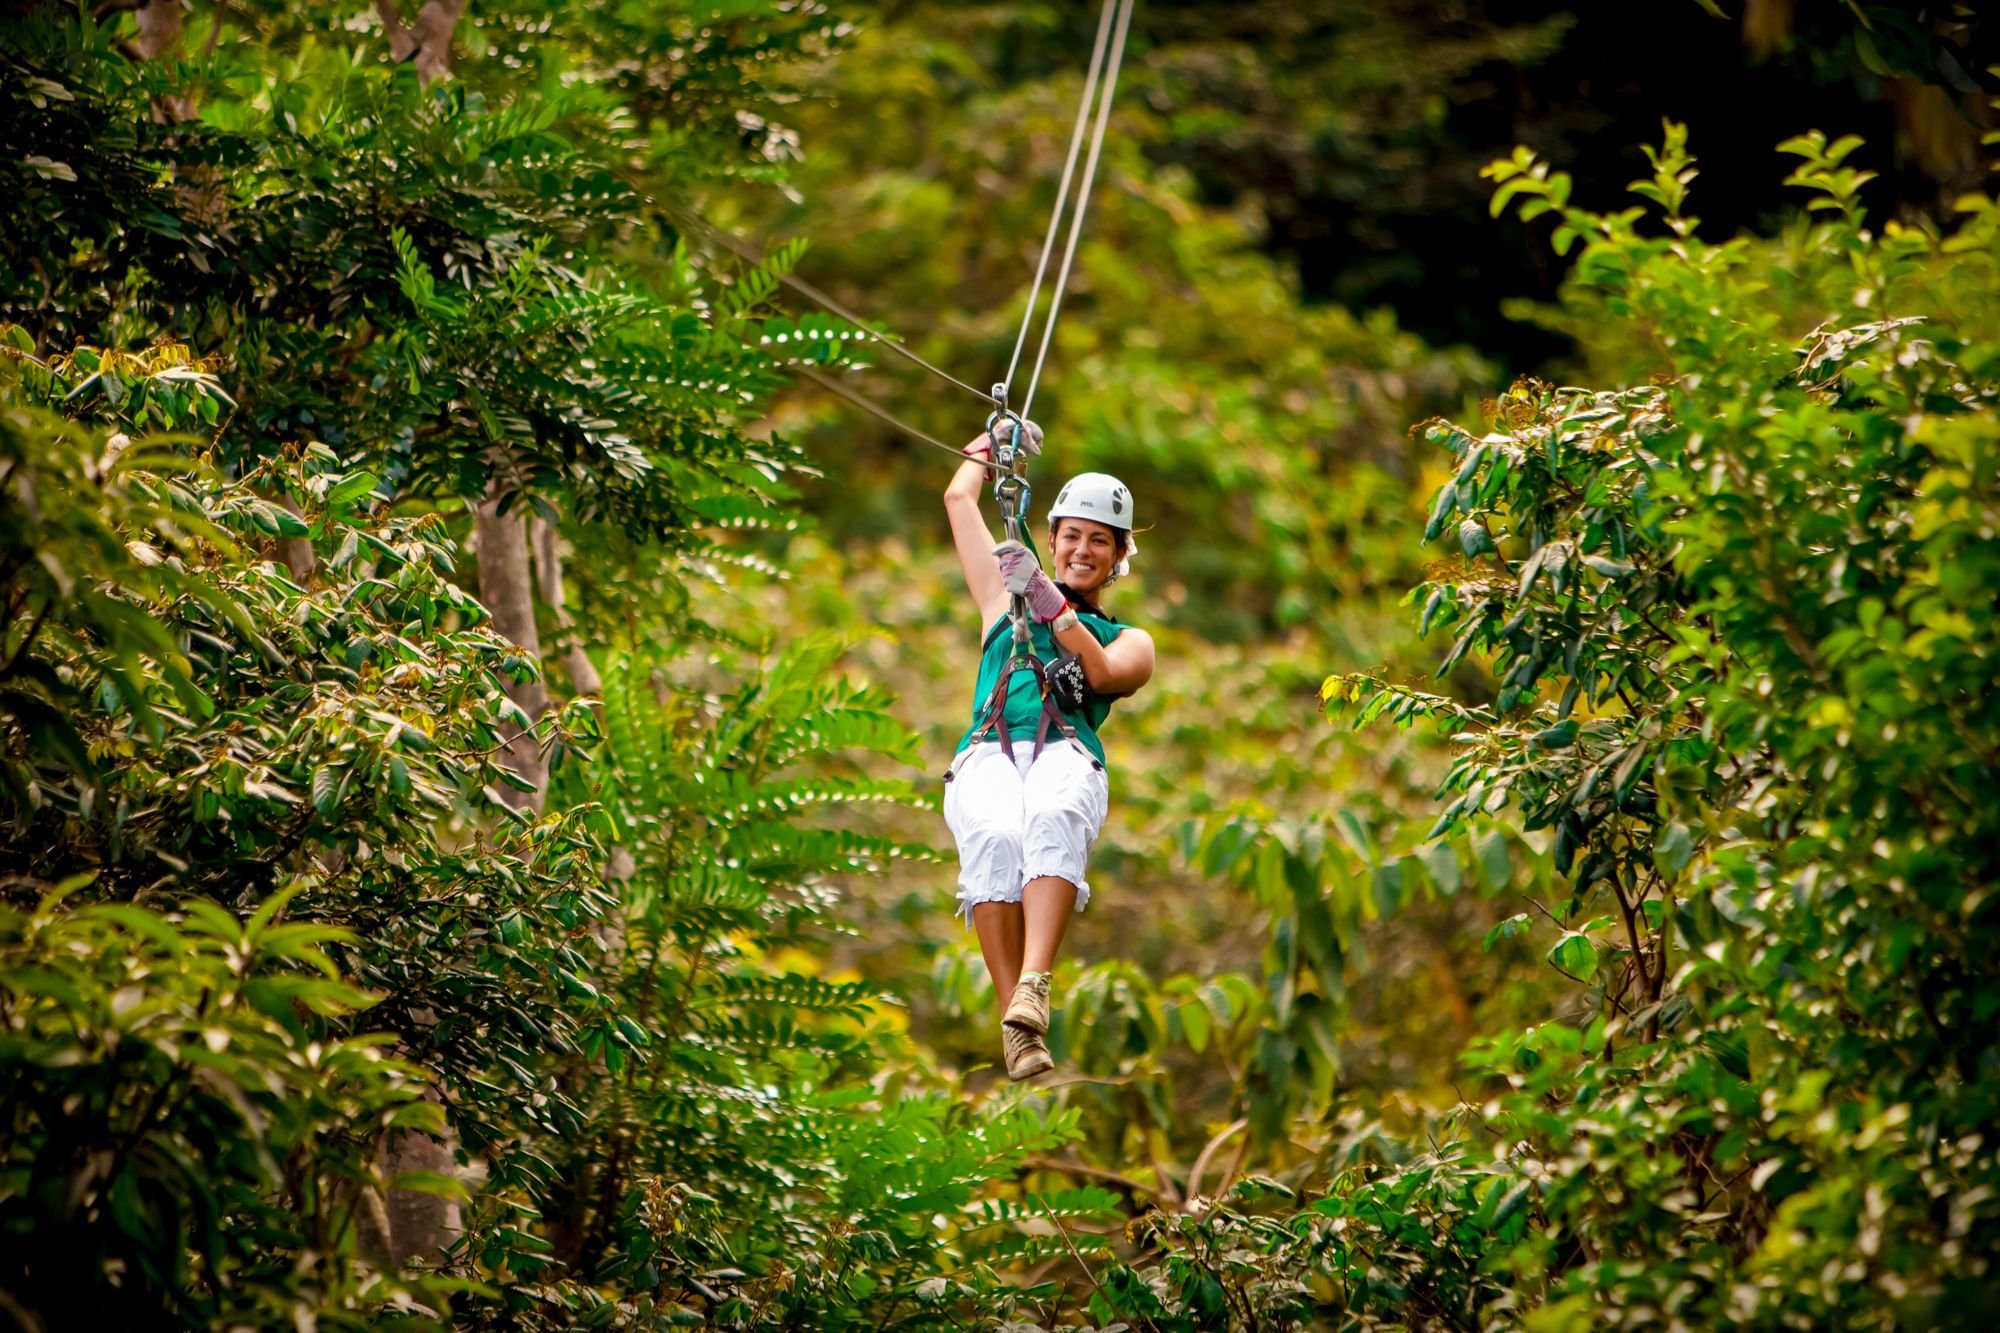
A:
[1032,1067]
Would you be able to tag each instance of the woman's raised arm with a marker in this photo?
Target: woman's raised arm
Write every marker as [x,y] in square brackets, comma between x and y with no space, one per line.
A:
[973,538]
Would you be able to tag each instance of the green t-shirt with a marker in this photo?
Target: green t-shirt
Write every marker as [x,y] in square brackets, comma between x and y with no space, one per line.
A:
[1024,696]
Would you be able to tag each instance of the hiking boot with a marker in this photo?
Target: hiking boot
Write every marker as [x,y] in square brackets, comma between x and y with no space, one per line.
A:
[1030,1006]
[1026,1055]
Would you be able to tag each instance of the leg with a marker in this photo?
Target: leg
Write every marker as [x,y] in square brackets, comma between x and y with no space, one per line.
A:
[982,805]
[1000,937]
[1047,904]
[1064,802]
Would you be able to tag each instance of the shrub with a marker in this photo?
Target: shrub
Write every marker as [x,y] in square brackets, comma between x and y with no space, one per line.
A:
[1742,640]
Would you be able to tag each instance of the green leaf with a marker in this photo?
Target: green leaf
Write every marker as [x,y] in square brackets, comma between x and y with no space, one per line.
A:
[1556,737]
[1575,954]
[1440,861]
[1673,849]
[432,1183]
[1441,509]
[1518,924]
[351,488]
[1609,568]
[325,789]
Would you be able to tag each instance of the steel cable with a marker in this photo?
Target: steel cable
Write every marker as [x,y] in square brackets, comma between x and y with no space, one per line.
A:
[1104,25]
[744,250]
[1109,91]
[1101,85]
[867,404]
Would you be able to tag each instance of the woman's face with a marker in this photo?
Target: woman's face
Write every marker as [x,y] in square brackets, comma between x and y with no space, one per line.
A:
[1084,553]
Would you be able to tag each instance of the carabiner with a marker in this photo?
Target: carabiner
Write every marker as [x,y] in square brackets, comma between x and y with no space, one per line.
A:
[1013,494]
[1005,454]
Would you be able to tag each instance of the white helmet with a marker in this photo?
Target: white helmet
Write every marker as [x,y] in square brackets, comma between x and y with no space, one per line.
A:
[1097,496]
[1101,498]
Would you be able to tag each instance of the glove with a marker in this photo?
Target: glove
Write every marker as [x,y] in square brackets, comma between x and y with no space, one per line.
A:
[1024,578]
[988,441]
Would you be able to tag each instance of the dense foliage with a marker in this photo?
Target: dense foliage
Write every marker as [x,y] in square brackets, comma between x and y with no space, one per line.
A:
[463,865]
[1742,630]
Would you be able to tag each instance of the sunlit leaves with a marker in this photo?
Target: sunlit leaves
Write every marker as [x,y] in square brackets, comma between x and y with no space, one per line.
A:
[1708,701]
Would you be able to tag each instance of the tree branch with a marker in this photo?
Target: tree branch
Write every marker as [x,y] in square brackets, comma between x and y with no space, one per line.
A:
[15,659]
[1094,1173]
[401,45]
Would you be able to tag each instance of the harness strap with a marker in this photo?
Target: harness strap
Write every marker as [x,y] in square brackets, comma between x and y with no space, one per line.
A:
[1052,714]
[995,718]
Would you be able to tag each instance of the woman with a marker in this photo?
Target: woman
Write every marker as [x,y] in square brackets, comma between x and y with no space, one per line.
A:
[1024,824]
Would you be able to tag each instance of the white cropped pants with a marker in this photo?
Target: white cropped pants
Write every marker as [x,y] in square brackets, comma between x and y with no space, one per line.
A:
[1019,820]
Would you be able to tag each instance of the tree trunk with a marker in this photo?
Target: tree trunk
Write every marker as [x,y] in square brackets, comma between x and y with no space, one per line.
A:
[506,587]
[161,23]
[583,677]
[419,1225]
[428,39]
[296,553]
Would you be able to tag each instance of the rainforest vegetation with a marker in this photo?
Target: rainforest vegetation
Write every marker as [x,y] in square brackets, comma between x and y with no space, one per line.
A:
[472,698]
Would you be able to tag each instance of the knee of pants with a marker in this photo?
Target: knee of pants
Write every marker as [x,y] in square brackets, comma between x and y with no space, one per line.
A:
[1059,835]
[1058,842]
[989,843]
[989,865]
[1063,792]
[1061,823]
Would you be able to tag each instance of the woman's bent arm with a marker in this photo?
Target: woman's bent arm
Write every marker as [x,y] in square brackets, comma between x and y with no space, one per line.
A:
[1119,667]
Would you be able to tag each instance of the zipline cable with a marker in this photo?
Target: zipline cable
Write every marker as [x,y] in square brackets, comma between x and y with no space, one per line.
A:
[1109,91]
[867,404]
[688,220]
[744,250]
[1104,25]
[1101,85]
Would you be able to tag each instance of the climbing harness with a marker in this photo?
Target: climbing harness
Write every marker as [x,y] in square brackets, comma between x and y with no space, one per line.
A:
[1061,686]
[1013,495]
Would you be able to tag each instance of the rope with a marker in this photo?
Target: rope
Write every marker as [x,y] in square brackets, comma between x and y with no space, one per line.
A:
[867,404]
[1062,193]
[1109,91]
[743,249]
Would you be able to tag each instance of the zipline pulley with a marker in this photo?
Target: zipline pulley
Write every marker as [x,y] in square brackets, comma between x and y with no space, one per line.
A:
[1012,446]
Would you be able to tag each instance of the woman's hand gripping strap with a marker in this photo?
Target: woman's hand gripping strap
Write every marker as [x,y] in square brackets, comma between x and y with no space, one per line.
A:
[1025,579]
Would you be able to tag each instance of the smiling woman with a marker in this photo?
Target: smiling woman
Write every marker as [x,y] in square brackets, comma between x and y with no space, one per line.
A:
[1025,819]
